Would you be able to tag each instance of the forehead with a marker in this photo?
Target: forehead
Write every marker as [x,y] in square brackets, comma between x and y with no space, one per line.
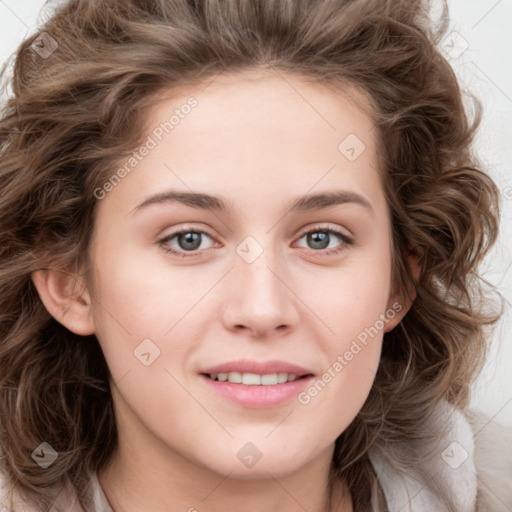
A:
[257,135]
[262,100]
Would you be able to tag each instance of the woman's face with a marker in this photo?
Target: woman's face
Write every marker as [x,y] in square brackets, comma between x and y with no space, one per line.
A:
[282,268]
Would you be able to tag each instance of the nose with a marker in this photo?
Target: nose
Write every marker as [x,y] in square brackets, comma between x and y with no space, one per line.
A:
[260,300]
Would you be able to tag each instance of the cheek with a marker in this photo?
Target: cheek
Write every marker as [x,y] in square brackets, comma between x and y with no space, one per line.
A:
[136,302]
[340,390]
[144,299]
[332,401]
[354,304]
[350,299]
[131,305]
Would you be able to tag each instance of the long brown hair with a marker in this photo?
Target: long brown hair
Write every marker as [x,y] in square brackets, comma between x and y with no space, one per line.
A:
[76,110]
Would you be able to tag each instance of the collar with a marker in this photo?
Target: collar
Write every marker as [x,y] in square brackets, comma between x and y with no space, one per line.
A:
[447,460]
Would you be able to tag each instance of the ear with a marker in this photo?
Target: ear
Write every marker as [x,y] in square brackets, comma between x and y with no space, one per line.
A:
[401,304]
[66,299]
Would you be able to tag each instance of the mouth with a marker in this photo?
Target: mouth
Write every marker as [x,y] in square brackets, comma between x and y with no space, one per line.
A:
[256,385]
[255,379]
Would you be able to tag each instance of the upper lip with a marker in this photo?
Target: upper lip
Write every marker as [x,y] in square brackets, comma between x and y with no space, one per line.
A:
[260,368]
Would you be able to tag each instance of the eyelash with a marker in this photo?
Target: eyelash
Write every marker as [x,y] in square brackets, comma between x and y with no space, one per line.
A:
[347,241]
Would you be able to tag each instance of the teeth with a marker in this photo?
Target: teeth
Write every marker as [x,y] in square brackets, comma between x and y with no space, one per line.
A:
[235,377]
[282,377]
[269,380]
[253,379]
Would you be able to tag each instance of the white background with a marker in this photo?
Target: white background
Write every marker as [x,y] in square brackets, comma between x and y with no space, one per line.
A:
[478,46]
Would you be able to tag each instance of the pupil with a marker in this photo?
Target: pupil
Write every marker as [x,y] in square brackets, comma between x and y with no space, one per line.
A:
[190,240]
[319,239]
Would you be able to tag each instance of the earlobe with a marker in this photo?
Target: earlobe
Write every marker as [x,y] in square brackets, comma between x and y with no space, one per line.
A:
[412,258]
[66,299]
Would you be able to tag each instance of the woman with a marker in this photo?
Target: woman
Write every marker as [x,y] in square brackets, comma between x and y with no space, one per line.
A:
[240,263]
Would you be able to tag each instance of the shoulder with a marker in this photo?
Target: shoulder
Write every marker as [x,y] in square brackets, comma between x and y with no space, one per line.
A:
[6,504]
[468,462]
[493,463]
[11,500]
[430,474]
[7,499]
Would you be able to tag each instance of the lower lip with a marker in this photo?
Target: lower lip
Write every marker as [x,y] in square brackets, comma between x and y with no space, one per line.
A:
[258,397]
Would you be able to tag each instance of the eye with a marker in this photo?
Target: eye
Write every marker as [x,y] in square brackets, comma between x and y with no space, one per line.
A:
[320,238]
[186,240]
[190,241]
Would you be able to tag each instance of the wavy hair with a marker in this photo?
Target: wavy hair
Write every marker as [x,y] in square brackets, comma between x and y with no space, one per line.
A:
[77,110]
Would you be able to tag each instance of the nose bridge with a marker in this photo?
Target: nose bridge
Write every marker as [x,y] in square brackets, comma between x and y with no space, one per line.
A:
[258,298]
[256,273]
[255,268]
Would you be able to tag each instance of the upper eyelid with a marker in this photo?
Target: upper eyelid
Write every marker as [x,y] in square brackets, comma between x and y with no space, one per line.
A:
[320,226]
[325,227]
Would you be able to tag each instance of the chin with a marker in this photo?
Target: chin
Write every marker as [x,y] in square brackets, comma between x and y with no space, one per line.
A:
[249,463]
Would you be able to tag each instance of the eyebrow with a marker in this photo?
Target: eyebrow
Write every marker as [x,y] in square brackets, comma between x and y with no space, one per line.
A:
[208,202]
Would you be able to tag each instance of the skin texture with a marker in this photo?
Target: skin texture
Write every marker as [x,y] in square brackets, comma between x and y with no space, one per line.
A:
[259,140]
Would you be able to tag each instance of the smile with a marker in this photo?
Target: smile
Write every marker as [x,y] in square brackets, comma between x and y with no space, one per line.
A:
[254,384]
[254,379]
